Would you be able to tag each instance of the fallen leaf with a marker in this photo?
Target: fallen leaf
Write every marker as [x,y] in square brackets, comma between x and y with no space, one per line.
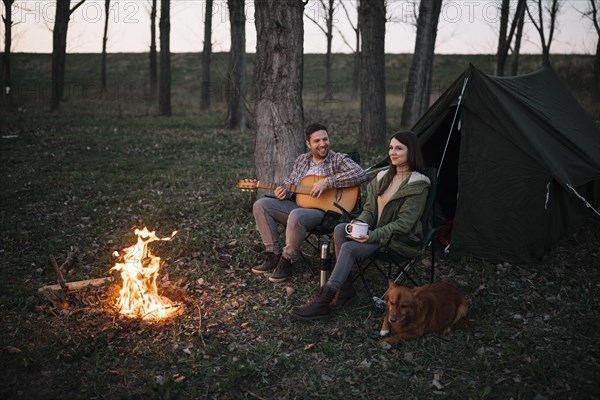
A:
[385,345]
[12,350]
[436,381]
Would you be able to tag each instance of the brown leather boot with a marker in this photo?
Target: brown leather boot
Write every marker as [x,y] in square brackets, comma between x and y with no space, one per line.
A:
[343,296]
[316,308]
[268,264]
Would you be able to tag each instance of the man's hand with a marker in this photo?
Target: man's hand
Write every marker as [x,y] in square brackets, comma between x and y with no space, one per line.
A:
[318,188]
[280,193]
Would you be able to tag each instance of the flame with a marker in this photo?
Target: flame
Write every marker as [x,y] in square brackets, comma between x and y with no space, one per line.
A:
[139,298]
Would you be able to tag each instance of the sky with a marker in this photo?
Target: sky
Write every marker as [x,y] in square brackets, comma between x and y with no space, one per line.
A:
[465,27]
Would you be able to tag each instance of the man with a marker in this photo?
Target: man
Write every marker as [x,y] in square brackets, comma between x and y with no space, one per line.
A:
[340,171]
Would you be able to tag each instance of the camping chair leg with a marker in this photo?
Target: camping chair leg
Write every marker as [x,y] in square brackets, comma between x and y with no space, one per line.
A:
[377,302]
[404,272]
[432,259]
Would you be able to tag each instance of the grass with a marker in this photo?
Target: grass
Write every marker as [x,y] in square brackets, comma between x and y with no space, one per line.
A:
[85,177]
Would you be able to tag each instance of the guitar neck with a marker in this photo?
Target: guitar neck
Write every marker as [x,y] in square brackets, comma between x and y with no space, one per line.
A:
[301,189]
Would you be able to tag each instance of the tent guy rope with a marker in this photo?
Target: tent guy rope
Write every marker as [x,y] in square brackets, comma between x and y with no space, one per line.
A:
[587,203]
[453,122]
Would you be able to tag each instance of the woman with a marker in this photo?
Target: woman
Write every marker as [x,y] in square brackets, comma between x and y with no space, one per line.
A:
[393,208]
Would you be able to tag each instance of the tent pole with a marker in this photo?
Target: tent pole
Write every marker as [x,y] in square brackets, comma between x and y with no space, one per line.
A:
[453,122]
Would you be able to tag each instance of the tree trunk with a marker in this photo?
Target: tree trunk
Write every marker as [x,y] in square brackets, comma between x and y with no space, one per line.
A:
[104,41]
[236,114]
[205,89]
[279,73]
[328,66]
[596,87]
[502,54]
[59,52]
[514,67]
[593,14]
[418,88]
[356,69]
[371,17]
[6,59]
[153,56]
[164,86]
[539,26]
[504,40]
[356,55]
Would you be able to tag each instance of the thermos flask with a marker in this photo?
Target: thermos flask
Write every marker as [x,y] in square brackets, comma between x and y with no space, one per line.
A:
[325,264]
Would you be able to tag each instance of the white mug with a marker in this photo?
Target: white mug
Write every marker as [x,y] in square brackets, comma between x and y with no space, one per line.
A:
[357,229]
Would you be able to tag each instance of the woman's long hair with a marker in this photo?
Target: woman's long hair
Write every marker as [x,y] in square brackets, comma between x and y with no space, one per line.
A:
[414,158]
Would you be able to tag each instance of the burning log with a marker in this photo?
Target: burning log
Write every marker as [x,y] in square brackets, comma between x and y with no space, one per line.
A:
[139,297]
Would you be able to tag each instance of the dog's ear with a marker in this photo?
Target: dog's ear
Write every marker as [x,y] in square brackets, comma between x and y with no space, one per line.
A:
[391,284]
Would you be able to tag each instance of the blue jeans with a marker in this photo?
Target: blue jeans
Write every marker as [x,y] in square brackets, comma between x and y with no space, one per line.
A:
[347,251]
[269,212]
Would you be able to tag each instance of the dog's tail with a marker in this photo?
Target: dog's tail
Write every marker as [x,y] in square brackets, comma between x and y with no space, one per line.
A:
[461,321]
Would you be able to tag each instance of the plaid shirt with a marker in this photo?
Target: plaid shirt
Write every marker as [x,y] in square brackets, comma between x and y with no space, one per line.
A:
[340,170]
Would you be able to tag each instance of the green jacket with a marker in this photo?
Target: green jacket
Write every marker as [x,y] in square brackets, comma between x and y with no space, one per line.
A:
[400,224]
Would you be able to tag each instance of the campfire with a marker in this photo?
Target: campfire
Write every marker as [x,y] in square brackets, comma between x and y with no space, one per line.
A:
[138,297]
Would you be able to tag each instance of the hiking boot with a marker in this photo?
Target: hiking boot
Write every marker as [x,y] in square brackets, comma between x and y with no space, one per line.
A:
[343,296]
[268,265]
[316,308]
[283,270]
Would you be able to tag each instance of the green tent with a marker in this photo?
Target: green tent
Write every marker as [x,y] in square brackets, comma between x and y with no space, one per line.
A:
[519,164]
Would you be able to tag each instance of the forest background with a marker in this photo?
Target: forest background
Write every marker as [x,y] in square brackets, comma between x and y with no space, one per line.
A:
[79,178]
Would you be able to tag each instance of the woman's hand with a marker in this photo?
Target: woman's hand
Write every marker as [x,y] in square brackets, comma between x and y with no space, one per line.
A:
[360,239]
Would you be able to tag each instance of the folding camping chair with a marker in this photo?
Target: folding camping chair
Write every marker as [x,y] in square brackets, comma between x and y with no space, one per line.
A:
[325,228]
[392,265]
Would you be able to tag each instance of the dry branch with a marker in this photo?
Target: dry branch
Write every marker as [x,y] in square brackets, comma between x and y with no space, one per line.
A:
[55,292]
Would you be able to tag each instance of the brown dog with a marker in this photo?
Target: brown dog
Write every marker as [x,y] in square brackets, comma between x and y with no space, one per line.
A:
[412,313]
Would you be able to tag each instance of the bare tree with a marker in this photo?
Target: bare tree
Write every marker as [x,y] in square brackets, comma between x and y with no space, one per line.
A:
[6,58]
[501,54]
[371,15]
[592,13]
[59,49]
[504,40]
[205,89]
[418,87]
[279,73]
[236,115]
[355,49]
[514,66]
[551,8]
[153,54]
[104,41]
[328,11]
[164,84]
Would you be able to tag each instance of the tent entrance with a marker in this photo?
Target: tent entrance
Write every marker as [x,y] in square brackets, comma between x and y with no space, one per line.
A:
[433,150]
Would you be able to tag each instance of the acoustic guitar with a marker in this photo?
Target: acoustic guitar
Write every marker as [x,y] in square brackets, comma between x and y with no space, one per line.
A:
[345,197]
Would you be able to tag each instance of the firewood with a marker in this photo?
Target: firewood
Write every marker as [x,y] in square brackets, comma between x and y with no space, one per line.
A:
[78,285]
[55,292]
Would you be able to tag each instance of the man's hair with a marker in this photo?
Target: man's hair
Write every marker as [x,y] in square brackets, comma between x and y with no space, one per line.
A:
[312,128]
